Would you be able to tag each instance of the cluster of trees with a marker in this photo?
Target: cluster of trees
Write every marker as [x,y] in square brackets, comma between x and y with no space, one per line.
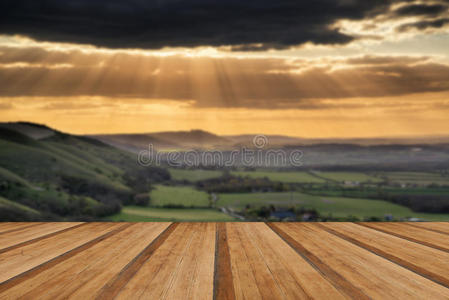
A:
[235,184]
[422,203]
[272,213]
[141,178]
[139,181]
[52,203]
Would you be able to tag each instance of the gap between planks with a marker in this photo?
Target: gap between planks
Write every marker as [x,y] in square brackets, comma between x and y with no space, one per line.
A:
[337,280]
[57,260]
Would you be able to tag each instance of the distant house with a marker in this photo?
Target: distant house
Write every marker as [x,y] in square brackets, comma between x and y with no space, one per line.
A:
[351,183]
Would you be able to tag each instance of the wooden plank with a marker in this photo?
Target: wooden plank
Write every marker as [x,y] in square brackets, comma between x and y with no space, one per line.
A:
[441,227]
[425,237]
[82,276]
[264,266]
[375,276]
[428,262]
[14,226]
[223,285]
[181,268]
[17,261]
[19,237]
[223,261]
[335,278]
[115,285]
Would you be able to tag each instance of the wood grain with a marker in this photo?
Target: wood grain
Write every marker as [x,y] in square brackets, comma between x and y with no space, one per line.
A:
[115,284]
[364,269]
[425,237]
[223,285]
[181,268]
[17,261]
[82,276]
[440,227]
[224,261]
[264,266]
[14,226]
[428,262]
[28,235]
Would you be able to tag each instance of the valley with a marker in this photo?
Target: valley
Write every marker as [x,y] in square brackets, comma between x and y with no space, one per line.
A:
[50,175]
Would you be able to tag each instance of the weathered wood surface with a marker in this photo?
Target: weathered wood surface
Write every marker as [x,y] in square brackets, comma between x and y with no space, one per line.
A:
[224,261]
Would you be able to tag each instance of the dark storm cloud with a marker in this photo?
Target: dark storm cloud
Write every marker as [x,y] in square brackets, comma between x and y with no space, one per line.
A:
[385,60]
[421,10]
[156,24]
[425,24]
[431,16]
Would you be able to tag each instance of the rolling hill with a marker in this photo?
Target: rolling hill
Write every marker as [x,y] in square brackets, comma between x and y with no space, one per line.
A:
[66,176]
[175,140]
[319,151]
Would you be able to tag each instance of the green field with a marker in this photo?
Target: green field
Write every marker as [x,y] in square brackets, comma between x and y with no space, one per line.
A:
[337,206]
[193,175]
[287,177]
[348,176]
[415,178]
[178,195]
[147,214]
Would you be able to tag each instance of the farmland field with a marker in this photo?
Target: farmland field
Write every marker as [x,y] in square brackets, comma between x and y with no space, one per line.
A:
[148,214]
[416,178]
[337,206]
[348,176]
[194,175]
[287,177]
[178,195]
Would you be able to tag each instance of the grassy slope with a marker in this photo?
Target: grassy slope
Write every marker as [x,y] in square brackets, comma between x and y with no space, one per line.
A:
[7,203]
[194,175]
[12,177]
[37,167]
[28,158]
[178,195]
[337,206]
[147,214]
[42,199]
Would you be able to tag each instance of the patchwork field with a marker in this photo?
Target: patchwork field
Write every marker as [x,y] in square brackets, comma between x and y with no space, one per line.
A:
[193,175]
[415,178]
[178,195]
[336,206]
[348,176]
[148,214]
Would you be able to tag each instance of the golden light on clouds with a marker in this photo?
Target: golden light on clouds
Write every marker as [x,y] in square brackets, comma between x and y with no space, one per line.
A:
[354,117]
[308,91]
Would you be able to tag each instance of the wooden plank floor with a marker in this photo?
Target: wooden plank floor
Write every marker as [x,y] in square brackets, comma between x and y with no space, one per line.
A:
[224,260]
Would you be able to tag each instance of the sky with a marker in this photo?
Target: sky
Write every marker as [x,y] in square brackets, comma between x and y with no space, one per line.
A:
[323,68]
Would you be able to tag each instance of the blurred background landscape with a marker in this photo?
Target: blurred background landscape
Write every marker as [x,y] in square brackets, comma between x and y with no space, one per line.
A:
[46,174]
[360,89]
